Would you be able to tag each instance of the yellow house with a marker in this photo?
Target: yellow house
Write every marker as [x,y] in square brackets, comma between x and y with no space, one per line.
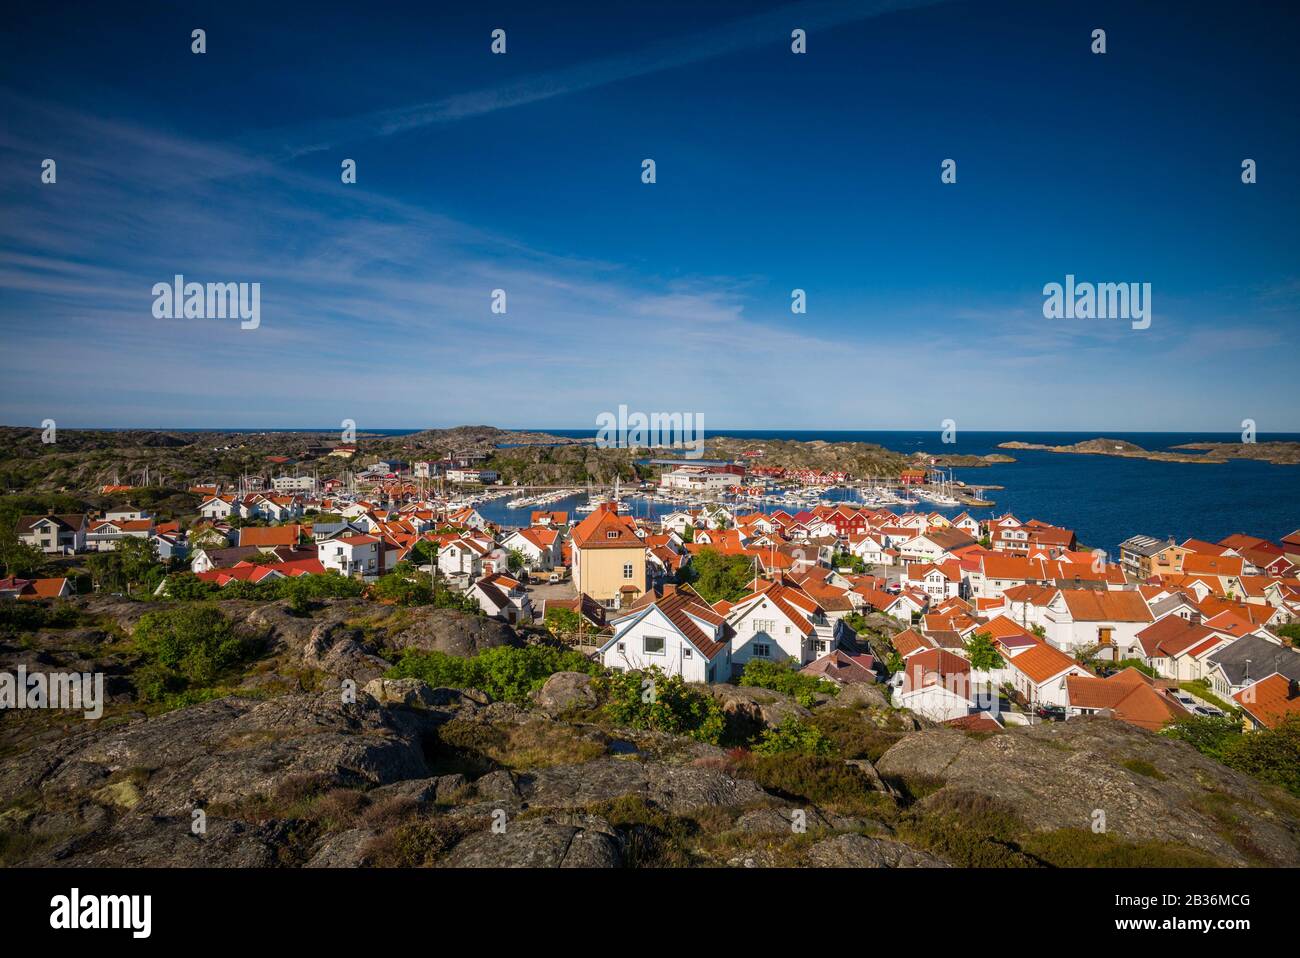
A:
[609,558]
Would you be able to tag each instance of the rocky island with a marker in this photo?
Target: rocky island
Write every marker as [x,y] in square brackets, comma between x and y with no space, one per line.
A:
[1278,453]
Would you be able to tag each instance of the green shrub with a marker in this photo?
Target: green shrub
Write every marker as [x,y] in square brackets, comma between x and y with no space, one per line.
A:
[855,733]
[969,830]
[662,703]
[794,735]
[186,648]
[826,782]
[19,617]
[782,677]
[1271,755]
[1209,735]
[507,673]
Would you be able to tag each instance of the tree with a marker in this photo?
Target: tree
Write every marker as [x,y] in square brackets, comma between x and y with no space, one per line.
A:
[405,585]
[1290,632]
[138,559]
[563,620]
[516,560]
[19,558]
[717,576]
[982,653]
[424,552]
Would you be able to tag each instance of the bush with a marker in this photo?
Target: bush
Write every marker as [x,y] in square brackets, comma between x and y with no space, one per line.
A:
[662,703]
[794,735]
[1271,755]
[186,648]
[826,782]
[970,830]
[17,617]
[1208,735]
[782,677]
[506,672]
[856,734]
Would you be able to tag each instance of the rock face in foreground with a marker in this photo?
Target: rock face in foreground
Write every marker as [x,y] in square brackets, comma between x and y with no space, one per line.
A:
[409,775]
[1149,788]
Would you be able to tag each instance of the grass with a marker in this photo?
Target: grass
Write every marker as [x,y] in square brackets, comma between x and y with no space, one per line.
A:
[531,744]
[418,843]
[857,733]
[826,782]
[1082,848]
[1142,767]
[969,830]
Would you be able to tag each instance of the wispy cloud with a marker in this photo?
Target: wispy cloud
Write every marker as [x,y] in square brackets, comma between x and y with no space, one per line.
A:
[772,27]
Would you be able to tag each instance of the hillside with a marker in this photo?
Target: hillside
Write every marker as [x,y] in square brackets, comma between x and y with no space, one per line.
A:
[288,773]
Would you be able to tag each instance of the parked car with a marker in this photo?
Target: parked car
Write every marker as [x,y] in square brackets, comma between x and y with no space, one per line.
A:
[1207,710]
[1050,713]
[1182,698]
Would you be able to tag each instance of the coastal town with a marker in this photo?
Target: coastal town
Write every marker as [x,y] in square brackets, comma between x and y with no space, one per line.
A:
[974,621]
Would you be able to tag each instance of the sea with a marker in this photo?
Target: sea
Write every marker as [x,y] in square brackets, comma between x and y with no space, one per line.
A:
[1104,499]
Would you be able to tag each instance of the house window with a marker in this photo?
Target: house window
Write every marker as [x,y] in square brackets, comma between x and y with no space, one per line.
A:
[611,534]
[654,644]
[622,647]
[762,650]
[686,653]
[627,570]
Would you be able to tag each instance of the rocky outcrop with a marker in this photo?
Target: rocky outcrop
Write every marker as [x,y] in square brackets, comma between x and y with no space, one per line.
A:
[447,630]
[566,690]
[550,842]
[227,751]
[1073,774]
[748,708]
[861,851]
[680,789]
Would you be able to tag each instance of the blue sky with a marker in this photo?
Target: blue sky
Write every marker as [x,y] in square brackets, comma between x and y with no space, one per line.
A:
[775,171]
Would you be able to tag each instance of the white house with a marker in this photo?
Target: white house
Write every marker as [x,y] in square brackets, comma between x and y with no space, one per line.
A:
[53,535]
[539,546]
[678,632]
[781,623]
[357,555]
[939,582]
[463,556]
[502,597]
[1078,619]
[871,550]
[1039,672]
[937,684]
[103,535]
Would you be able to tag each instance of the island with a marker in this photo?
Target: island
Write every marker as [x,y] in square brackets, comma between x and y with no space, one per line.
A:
[1278,453]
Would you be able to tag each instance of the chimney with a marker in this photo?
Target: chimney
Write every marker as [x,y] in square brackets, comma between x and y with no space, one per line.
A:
[1196,617]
